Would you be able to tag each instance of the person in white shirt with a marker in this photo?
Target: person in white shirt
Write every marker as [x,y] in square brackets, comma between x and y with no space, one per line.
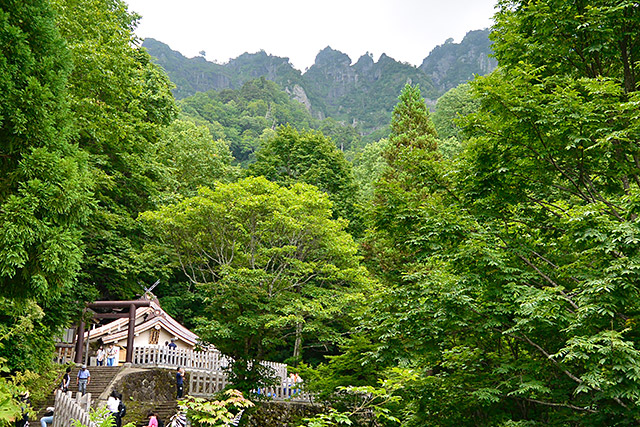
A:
[111,355]
[100,355]
[113,405]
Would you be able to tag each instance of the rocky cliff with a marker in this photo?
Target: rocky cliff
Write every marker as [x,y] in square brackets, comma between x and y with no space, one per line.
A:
[361,93]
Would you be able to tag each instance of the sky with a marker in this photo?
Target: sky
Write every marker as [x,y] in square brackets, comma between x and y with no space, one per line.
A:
[406,30]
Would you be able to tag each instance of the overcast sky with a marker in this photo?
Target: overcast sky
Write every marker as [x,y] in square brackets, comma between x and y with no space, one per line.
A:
[405,30]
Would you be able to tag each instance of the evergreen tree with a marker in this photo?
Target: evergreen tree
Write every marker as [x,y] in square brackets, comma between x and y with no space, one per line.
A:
[44,186]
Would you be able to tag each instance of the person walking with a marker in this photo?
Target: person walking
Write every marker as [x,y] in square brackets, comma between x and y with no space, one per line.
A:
[100,356]
[66,380]
[179,383]
[83,380]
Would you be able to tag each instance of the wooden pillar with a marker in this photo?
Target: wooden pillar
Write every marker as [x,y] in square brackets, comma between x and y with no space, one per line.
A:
[79,342]
[130,333]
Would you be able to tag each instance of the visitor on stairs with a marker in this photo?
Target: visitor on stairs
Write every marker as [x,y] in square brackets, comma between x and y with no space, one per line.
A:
[84,378]
[47,418]
[153,421]
[66,380]
[111,355]
[113,405]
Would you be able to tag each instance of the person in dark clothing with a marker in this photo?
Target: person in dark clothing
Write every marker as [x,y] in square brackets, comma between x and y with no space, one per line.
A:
[179,382]
[25,404]
[66,380]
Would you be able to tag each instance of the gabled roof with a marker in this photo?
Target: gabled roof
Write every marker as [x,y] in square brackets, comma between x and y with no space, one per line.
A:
[146,318]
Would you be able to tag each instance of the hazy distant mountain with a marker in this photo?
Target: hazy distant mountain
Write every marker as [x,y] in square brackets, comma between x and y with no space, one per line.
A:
[362,93]
[451,64]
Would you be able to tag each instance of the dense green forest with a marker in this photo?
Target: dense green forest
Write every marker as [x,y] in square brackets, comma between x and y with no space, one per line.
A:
[477,266]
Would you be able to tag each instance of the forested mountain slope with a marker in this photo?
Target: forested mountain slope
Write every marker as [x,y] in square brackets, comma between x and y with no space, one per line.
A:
[334,86]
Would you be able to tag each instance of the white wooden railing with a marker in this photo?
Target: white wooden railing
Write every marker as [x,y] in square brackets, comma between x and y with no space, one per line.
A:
[207,370]
[166,357]
[210,360]
[67,409]
[202,384]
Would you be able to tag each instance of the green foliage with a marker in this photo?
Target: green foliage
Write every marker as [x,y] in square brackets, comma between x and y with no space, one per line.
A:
[202,412]
[366,402]
[120,102]
[9,406]
[101,417]
[269,263]
[241,116]
[309,157]
[368,166]
[192,158]
[452,106]
[44,189]
[510,270]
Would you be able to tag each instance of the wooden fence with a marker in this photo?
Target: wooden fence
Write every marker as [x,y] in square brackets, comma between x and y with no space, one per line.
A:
[203,384]
[191,360]
[166,357]
[67,409]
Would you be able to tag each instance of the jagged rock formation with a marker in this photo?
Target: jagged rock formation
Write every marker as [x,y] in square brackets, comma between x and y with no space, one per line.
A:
[362,93]
[452,64]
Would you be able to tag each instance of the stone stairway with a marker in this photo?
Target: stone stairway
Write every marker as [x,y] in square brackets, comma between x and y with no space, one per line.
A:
[101,377]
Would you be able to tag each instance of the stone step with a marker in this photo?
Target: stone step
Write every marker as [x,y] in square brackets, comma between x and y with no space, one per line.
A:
[101,377]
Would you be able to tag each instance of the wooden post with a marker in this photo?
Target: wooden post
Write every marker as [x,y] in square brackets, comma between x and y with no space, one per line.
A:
[130,332]
[80,342]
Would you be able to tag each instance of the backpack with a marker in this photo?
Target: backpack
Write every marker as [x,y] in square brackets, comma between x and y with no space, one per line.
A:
[122,410]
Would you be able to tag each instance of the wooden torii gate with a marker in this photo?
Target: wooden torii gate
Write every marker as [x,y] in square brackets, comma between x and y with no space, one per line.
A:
[132,305]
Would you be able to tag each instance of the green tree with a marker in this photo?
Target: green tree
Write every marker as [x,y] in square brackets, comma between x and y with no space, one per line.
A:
[120,102]
[192,158]
[309,157]
[452,106]
[277,274]
[44,185]
[368,166]
[410,177]
[45,193]
[513,291]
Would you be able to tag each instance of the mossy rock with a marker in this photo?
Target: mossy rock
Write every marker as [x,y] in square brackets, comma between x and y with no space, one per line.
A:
[145,391]
[150,385]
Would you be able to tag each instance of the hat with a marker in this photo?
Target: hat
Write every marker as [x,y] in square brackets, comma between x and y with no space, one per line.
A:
[84,366]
